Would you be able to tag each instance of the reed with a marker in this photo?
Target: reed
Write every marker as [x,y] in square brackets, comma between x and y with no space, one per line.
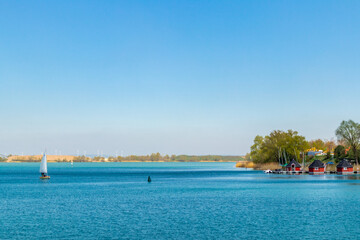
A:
[265,166]
[245,164]
[331,167]
[356,167]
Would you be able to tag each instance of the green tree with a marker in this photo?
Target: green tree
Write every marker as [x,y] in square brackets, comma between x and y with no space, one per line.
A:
[81,159]
[339,152]
[349,132]
[318,144]
[256,148]
[154,157]
[278,145]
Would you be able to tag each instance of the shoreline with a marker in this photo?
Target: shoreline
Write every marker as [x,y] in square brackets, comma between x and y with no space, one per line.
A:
[122,161]
[274,165]
[131,158]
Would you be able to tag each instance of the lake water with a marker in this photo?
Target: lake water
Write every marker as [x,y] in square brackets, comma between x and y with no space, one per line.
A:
[183,201]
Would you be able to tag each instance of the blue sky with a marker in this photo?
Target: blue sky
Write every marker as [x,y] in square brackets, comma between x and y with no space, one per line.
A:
[191,77]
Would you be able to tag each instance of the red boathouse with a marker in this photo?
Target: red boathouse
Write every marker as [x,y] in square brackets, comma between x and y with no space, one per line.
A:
[293,166]
[317,167]
[344,167]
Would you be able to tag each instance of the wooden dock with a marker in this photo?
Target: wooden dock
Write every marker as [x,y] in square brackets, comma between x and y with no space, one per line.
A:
[307,172]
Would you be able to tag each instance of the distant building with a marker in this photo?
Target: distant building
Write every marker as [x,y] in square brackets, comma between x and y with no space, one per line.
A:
[344,167]
[293,166]
[317,167]
[315,153]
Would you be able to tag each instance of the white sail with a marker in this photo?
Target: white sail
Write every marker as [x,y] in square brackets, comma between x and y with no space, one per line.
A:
[43,164]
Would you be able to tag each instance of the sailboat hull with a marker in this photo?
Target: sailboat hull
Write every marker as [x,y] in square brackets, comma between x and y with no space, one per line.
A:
[45,177]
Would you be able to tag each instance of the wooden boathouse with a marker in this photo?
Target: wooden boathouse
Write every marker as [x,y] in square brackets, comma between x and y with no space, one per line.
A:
[344,167]
[293,166]
[316,167]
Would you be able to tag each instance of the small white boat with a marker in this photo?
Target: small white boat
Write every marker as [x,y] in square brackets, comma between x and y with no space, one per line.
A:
[43,168]
[267,171]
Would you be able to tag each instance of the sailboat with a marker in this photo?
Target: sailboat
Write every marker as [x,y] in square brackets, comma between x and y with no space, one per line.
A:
[72,162]
[43,168]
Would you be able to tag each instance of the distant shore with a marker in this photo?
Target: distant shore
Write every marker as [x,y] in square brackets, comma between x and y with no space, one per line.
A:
[132,158]
[16,161]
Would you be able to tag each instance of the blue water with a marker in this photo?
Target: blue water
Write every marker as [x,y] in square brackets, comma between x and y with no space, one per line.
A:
[184,201]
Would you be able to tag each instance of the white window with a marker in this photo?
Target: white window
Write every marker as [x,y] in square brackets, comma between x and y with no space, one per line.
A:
[345,168]
[316,168]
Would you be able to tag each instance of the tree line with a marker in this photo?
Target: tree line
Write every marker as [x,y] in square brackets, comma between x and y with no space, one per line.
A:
[154,157]
[157,157]
[280,146]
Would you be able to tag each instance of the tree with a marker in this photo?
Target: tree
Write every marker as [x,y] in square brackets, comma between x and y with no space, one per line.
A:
[317,144]
[349,132]
[255,152]
[99,159]
[81,159]
[339,152]
[278,146]
[330,145]
[154,157]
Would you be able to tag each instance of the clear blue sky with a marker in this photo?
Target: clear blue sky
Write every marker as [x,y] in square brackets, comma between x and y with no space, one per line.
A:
[192,77]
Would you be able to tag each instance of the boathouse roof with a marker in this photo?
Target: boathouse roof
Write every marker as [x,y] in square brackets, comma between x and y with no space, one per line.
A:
[344,163]
[293,162]
[316,164]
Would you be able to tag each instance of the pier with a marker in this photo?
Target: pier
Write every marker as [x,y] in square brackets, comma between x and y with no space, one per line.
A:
[311,173]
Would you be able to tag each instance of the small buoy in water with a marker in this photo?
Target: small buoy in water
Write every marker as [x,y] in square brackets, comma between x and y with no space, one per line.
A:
[149,179]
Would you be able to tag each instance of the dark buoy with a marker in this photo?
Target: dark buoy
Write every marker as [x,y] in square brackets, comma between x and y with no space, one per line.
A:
[149,179]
